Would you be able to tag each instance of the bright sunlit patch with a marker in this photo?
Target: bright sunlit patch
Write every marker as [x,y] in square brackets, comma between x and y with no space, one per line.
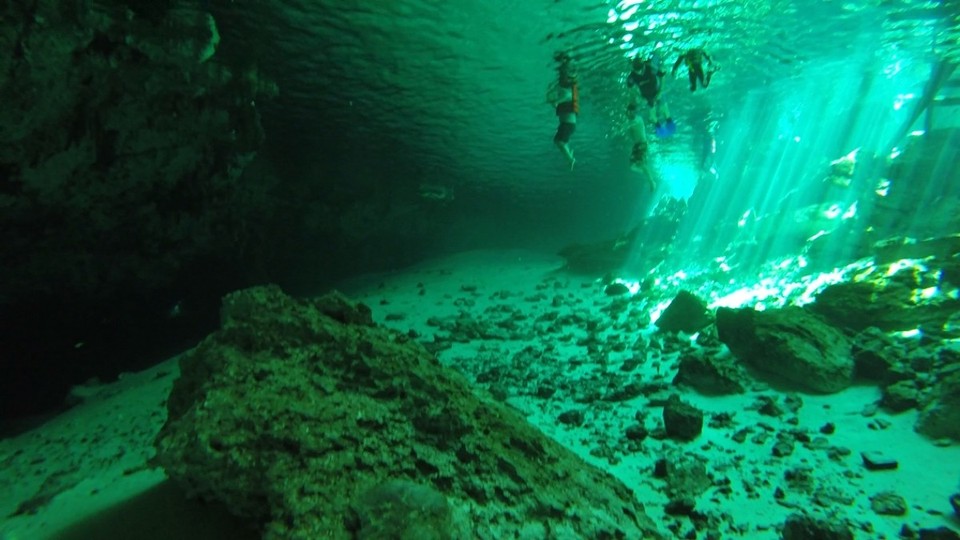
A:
[895,153]
[883,187]
[631,26]
[917,133]
[816,283]
[928,293]
[628,37]
[658,310]
[852,211]
[901,100]
[632,285]
[629,12]
[911,333]
[817,235]
[753,295]
[903,264]
[849,159]
[743,219]
[796,139]
[832,211]
[893,69]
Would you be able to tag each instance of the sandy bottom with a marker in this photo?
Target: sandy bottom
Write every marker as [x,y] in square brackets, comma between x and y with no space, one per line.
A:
[86,474]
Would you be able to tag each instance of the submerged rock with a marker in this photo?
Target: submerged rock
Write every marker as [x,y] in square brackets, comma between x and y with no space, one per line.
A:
[804,527]
[892,298]
[682,420]
[712,374]
[941,418]
[310,421]
[790,344]
[686,313]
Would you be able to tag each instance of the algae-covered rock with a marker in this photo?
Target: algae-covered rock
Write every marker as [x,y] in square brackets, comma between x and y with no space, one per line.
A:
[712,374]
[891,298]
[312,427]
[790,344]
[686,313]
[940,418]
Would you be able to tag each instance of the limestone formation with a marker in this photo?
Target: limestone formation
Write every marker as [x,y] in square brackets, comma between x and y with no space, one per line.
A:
[791,345]
[312,422]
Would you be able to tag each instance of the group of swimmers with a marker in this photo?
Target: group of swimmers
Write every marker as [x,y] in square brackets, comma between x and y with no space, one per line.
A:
[645,84]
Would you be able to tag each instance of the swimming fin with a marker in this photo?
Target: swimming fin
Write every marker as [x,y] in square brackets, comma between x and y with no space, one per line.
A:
[665,130]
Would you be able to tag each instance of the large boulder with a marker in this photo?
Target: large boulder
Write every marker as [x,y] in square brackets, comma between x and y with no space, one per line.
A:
[310,421]
[892,298]
[686,313]
[941,417]
[712,373]
[791,344]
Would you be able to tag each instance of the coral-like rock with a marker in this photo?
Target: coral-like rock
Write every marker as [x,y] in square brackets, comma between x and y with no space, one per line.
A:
[790,344]
[890,299]
[941,418]
[681,420]
[686,313]
[316,428]
[712,374]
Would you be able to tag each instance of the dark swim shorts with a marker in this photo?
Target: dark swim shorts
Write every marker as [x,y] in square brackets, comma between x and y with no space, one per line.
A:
[564,131]
[638,154]
[650,96]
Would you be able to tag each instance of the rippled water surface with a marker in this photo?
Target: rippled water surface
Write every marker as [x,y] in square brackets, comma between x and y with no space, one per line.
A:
[452,92]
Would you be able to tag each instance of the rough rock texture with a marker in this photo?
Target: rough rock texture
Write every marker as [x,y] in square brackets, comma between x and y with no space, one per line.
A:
[712,374]
[686,313]
[804,527]
[126,187]
[308,425]
[122,140]
[889,299]
[686,475]
[941,418]
[789,343]
[876,355]
[681,420]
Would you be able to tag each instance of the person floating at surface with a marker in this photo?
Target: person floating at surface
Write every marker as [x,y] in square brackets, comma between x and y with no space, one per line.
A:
[646,84]
[564,95]
[694,58]
[638,152]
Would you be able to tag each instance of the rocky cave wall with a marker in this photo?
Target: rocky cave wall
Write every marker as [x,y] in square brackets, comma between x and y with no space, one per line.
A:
[123,142]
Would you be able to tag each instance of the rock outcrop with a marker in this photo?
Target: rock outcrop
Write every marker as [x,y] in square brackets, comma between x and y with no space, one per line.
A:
[312,422]
[122,141]
[941,417]
[686,313]
[790,344]
[891,299]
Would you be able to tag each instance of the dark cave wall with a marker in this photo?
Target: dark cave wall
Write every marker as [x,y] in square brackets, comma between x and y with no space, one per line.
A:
[123,142]
[138,184]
